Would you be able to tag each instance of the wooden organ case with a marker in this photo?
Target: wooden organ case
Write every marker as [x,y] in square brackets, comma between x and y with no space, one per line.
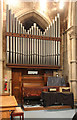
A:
[31,50]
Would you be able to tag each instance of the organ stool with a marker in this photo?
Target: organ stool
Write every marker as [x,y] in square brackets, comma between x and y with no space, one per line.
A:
[18,112]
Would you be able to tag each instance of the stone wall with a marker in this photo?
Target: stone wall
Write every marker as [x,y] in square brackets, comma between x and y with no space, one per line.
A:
[70,48]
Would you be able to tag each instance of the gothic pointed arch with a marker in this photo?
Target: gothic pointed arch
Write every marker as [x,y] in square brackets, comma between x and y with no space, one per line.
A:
[28,18]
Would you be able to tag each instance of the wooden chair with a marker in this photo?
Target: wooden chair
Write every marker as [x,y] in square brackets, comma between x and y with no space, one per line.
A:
[18,112]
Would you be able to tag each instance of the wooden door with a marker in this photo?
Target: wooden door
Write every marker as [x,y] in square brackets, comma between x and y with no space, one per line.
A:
[16,84]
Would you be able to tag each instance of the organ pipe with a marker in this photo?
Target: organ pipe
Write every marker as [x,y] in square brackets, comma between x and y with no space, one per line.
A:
[28,47]
[32,45]
[34,26]
[53,43]
[16,42]
[25,50]
[37,47]
[41,50]
[7,29]
[10,30]
[44,46]
[13,39]
[56,35]
[58,16]
[23,45]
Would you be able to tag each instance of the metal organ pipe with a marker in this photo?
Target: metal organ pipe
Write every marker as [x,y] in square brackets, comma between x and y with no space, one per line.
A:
[52,58]
[23,45]
[37,46]
[53,43]
[14,21]
[41,50]
[26,49]
[44,49]
[7,29]
[49,46]
[56,35]
[46,46]
[34,43]
[30,46]
[18,43]
[58,19]
[10,30]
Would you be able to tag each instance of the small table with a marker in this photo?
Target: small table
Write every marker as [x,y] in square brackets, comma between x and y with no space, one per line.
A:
[8,104]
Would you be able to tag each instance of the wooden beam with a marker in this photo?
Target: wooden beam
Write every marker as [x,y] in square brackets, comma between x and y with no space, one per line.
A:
[32,36]
[46,108]
[32,66]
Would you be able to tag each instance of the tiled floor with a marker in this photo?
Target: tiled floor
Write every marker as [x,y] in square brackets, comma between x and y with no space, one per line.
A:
[52,114]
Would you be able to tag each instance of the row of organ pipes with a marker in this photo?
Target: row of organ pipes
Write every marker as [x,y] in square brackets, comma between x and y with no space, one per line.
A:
[32,51]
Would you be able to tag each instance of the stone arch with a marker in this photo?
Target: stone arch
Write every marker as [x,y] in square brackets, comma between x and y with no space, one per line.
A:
[37,17]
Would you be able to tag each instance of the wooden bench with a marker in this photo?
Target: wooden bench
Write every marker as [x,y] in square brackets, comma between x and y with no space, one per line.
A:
[18,112]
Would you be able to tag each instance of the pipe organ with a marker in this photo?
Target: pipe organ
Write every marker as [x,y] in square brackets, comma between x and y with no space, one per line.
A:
[34,51]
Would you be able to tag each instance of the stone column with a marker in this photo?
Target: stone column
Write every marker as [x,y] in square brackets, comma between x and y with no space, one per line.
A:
[72,26]
[74,69]
[1,28]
